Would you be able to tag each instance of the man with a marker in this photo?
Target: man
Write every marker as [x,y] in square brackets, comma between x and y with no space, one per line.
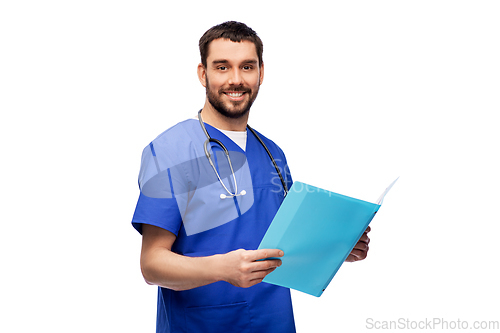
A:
[201,223]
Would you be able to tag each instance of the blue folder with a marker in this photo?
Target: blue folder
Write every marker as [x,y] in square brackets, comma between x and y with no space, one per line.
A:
[316,229]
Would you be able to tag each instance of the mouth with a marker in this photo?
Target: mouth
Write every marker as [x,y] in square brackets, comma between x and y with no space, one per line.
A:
[235,95]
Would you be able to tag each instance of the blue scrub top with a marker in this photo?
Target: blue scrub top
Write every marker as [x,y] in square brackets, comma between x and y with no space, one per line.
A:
[181,193]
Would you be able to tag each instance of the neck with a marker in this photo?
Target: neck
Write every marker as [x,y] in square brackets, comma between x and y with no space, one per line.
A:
[217,120]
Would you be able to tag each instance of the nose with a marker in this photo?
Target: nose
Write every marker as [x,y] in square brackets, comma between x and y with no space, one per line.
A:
[235,77]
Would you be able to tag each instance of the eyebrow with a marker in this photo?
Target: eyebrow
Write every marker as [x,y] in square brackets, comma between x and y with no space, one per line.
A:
[221,61]
[224,61]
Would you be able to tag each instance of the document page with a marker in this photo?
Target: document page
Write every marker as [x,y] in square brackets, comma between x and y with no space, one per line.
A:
[381,198]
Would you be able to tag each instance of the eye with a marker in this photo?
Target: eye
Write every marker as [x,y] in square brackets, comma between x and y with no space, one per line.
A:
[222,68]
[247,68]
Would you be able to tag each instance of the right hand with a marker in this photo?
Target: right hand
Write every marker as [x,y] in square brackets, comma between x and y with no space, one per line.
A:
[242,269]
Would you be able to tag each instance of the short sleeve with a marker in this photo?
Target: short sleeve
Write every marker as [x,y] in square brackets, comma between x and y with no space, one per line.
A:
[156,204]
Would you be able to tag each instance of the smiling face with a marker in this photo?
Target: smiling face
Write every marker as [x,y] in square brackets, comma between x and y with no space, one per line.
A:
[232,76]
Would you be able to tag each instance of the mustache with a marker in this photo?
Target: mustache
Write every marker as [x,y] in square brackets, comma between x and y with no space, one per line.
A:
[235,88]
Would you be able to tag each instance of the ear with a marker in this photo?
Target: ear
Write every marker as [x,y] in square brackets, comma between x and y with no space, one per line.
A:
[261,73]
[202,75]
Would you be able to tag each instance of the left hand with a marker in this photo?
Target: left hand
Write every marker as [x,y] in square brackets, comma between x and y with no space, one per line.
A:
[360,250]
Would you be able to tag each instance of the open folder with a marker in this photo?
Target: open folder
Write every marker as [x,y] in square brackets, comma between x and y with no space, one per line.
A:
[316,229]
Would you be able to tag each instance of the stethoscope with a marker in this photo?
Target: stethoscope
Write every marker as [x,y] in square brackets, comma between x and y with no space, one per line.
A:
[207,153]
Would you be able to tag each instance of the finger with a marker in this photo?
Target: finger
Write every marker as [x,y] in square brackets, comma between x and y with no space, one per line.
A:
[359,254]
[368,230]
[364,238]
[350,258]
[264,254]
[257,277]
[255,281]
[265,265]
[260,275]
[361,246]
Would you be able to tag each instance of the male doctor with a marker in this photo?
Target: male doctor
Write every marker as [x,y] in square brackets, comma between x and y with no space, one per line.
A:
[198,248]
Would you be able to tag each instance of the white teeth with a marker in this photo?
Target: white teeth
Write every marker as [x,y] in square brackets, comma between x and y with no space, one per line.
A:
[235,94]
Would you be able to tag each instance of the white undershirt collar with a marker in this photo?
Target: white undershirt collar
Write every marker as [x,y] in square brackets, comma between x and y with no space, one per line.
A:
[239,137]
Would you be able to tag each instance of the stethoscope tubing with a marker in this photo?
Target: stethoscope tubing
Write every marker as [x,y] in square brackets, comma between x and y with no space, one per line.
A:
[207,154]
[285,188]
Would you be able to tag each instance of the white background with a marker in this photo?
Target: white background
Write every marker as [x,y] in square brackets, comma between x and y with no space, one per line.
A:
[355,92]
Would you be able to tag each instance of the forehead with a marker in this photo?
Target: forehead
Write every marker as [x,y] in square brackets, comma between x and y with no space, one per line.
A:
[225,49]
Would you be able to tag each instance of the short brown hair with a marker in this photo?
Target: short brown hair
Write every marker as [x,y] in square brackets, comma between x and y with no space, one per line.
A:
[234,31]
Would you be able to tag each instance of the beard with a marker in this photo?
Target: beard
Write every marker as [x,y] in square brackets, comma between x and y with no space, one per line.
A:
[231,109]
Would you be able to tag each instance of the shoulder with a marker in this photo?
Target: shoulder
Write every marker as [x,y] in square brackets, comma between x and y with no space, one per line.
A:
[180,136]
[176,144]
[179,133]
